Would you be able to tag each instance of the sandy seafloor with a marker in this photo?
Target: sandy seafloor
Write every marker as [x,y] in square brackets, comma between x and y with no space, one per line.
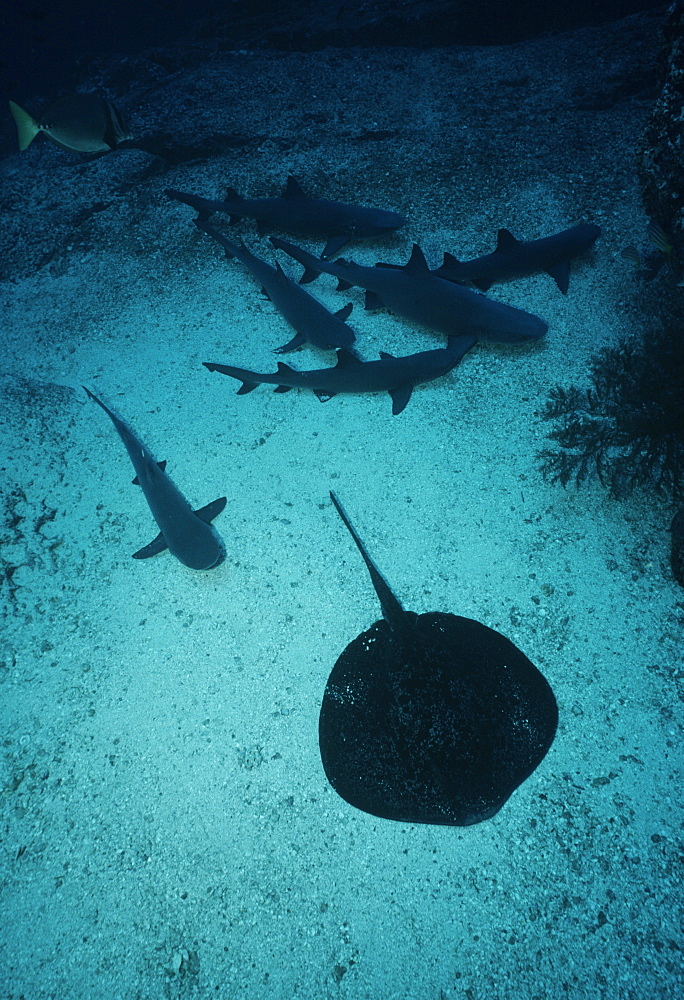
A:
[167,828]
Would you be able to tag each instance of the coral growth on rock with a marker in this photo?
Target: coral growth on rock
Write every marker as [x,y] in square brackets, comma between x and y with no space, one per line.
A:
[628,427]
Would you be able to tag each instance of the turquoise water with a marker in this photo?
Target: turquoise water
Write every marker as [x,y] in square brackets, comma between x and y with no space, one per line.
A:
[168,828]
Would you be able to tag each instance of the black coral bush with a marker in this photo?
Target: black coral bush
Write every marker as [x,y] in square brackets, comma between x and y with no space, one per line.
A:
[627,428]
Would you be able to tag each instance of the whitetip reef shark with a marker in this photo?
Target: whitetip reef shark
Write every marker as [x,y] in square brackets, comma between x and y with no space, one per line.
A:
[187,534]
[296,212]
[418,294]
[515,258]
[397,376]
[313,323]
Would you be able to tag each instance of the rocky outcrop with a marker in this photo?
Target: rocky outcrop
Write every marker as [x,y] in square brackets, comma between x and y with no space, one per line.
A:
[661,159]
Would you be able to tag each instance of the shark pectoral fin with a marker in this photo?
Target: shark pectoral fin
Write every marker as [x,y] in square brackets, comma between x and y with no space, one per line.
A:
[346,359]
[334,244]
[373,300]
[211,510]
[343,284]
[393,267]
[560,273]
[232,219]
[460,345]
[345,311]
[385,356]
[484,284]
[323,397]
[265,294]
[262,227]
[296,341]
[283,388]
[162,466]
[310,274]
[400,397]
[246,387]
[505,240]
[156,546]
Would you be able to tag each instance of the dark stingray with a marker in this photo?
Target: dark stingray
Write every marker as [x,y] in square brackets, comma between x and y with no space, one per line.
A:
[431,718]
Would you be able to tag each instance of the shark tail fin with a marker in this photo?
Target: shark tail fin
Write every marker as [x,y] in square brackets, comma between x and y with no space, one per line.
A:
[27,127]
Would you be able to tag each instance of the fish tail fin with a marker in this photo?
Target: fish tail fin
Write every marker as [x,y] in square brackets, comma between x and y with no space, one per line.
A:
[27,127]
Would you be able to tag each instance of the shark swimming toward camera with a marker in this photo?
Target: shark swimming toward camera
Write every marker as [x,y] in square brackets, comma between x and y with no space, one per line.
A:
[415,292]
[296,212]
[397,376]
[515,258]
[313,323]
[186,533]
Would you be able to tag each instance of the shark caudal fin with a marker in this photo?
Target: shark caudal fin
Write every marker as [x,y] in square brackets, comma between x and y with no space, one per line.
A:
[312,266]
[247,384]
[27,127]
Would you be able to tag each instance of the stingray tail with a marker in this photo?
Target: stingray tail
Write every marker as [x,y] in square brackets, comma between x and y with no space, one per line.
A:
[391,608]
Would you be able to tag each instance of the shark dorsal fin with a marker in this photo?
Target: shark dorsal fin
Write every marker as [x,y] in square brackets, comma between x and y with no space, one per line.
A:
[292,189]
[505,240]
[284,369]
[345,359]
[450,260]
[417,263]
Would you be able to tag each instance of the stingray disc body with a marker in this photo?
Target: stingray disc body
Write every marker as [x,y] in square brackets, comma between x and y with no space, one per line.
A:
[437,723]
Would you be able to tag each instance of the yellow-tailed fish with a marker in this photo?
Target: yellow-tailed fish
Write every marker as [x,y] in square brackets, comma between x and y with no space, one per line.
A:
[79,123]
